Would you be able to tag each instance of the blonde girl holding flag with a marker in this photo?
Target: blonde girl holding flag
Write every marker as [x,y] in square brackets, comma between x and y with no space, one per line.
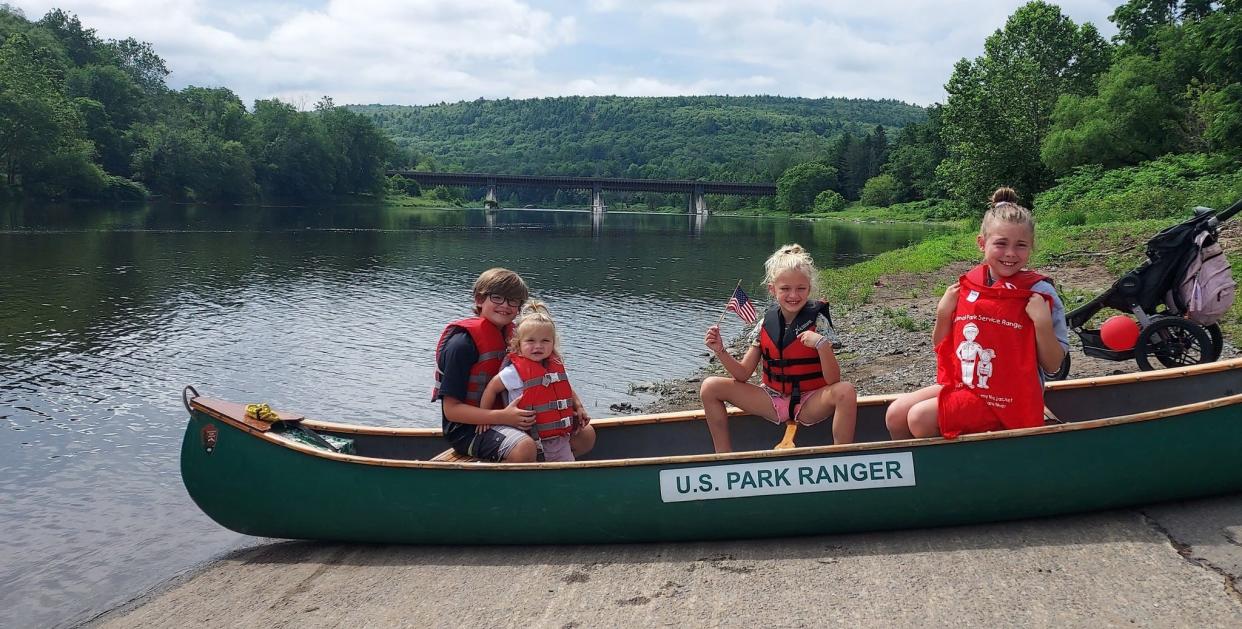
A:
[801,380]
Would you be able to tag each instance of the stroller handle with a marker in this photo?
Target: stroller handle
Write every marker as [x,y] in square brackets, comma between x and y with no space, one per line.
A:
[1228,212]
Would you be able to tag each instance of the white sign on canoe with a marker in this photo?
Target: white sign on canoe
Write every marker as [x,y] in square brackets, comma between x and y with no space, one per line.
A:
[870,471]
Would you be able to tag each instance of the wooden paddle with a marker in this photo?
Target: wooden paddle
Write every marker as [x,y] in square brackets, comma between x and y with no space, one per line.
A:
[788,441]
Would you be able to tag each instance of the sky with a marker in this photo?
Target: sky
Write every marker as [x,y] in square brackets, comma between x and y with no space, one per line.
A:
[419,52]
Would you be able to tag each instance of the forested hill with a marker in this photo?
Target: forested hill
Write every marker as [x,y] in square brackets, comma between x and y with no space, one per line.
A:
[751,138]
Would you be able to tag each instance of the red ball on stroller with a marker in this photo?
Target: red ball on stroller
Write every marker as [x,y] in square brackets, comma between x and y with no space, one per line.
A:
[1119,333]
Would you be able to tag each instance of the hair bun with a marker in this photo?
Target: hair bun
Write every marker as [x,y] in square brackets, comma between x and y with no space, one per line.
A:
[793,248]
[1004,195]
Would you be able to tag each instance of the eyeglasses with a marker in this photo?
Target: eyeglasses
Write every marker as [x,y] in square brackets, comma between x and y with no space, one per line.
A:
[500,299]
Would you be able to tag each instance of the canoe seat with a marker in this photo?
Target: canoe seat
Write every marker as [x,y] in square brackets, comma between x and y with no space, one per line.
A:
[453,456]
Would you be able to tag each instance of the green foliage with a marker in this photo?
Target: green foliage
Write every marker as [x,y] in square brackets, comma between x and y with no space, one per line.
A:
[1000,104]
[403,185]
[914,156]
[1161,188]
[124,190]
[798,187]
[1134,116]
[830,201]
[41,142]
[723,138]
[900,317]
[80,117]
[1221,112]
[880,191]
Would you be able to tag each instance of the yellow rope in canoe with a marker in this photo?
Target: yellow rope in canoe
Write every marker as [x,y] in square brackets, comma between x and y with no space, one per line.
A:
[261,412]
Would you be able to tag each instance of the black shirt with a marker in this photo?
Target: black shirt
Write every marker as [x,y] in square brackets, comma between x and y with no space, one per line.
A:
[455,359]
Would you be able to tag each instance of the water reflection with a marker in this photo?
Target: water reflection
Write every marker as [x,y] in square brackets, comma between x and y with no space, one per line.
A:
[108,312]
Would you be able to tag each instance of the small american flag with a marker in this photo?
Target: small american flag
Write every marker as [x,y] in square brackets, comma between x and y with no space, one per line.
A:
[740,304]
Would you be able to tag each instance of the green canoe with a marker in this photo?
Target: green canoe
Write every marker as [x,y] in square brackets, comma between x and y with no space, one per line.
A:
[1125,440]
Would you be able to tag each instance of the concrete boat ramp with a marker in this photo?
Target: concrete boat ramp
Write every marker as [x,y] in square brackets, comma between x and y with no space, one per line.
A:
[1172,564]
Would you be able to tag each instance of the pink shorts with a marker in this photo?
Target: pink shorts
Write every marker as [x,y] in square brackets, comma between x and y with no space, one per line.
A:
[781,404]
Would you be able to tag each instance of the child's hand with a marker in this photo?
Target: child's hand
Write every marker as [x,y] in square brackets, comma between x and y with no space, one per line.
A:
[581,418]
[810,338]
[1038,310]
[712,340]
[511,415]
[948,303]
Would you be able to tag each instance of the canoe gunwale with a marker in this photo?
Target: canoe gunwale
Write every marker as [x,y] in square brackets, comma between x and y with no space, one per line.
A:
[1105,422]
[867,400]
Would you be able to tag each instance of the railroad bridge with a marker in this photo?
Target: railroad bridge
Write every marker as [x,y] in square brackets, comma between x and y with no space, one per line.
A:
[696,190]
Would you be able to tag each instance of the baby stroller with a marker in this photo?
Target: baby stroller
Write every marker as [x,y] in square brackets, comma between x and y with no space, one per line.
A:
[1148,292]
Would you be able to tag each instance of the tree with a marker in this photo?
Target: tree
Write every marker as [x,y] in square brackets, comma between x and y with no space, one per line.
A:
[1000,105]
[81,44]
[830,201]
[1134,116]
[110,103]
[361,150]
[139,60]
[292,154]
[797,188]
[880,191]
[41,141]
[912,161]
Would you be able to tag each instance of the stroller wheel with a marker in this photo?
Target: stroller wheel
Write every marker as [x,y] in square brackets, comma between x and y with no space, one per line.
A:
[1218,340]
[1173,342]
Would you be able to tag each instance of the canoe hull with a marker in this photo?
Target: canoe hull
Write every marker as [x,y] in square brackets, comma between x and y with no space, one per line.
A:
[260,487]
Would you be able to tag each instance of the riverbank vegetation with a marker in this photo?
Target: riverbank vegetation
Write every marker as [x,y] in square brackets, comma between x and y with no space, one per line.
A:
[87,118]
[1144,126]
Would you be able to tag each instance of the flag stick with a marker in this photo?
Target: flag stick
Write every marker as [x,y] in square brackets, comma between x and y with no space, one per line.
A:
[726,308]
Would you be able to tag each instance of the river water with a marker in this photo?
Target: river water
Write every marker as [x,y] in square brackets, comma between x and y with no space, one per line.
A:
[105,314]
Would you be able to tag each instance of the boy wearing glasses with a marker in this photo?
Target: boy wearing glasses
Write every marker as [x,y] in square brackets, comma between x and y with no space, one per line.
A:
[468,356]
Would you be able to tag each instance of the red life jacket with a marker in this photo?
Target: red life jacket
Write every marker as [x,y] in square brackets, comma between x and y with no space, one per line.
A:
[988,363]
[546,390]
[789,366]
[490,341]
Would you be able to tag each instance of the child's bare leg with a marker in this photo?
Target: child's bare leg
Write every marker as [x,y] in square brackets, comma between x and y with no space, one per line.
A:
[924,418]
[897,416]
[524,451]
[582,441]
[715,391]
[841,400]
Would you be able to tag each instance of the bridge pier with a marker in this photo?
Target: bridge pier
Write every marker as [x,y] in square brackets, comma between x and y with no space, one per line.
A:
[490,201]
[597,200]
[698,201]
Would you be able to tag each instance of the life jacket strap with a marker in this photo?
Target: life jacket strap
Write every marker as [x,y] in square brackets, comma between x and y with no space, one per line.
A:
[554,405]
[778,377]
[492,355]
[789,362]
[545,380]
[564,422]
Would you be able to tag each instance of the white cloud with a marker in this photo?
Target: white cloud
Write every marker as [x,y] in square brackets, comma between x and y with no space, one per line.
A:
[433,50]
